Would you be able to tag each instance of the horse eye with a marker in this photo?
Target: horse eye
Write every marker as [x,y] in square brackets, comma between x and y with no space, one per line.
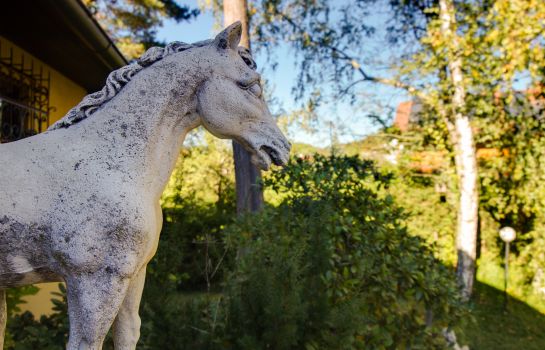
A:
[255,89]
[248,62]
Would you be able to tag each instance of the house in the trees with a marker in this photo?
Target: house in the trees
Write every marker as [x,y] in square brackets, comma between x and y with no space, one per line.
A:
[407,114]
[407,117]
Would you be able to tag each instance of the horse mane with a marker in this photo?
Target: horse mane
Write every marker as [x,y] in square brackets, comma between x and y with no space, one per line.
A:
[120,77]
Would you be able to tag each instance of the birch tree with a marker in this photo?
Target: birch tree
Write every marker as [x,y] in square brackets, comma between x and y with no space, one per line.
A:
[463,143]
[452,49]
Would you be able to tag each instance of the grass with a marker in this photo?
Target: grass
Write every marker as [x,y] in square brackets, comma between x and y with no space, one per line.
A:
[520,327]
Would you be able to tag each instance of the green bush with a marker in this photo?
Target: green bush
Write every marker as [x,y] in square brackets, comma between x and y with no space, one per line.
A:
[24,332]
[15,298]
[431,215]
[190,247]
[189,265]
[332,267]
[181,320]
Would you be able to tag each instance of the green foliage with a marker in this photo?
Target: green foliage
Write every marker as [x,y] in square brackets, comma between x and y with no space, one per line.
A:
[190,247]
[194,211]
[330,267]
[181,320]
[501,48]
[430,214]
[178,308]
[133,23]
[24,332]
[15,298]
[501,45]
[333,267]
[208,158]
[512,181]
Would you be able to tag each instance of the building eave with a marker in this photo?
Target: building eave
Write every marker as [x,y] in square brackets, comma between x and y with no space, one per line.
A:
[64,35]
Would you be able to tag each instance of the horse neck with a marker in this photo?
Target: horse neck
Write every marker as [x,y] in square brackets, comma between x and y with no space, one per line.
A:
[142,129]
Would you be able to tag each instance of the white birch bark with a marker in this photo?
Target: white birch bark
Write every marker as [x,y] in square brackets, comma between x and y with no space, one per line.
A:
[465,158]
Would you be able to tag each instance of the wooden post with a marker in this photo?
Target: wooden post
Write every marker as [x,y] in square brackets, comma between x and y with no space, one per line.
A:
[247,176]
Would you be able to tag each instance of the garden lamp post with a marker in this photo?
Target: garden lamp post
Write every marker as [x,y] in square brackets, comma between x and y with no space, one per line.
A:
[508,235]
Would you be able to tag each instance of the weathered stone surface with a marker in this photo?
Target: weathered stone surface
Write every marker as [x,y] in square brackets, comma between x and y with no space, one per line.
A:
[80,202]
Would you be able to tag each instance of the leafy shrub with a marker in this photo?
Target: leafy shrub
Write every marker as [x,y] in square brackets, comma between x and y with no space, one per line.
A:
[15,298]
[176,307]
[190,247]
[182,321]
[194,211]
[332,267]
[430,215]
[24,332]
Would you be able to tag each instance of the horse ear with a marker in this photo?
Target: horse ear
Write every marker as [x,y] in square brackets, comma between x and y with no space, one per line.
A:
[229,37]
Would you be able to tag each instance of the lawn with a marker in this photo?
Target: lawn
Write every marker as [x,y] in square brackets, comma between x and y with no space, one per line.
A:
[521,327]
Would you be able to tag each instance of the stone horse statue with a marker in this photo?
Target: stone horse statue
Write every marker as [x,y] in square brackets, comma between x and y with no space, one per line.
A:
[80,202]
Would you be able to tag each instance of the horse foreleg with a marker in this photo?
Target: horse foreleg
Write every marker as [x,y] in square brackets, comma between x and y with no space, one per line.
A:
[127,322]
[3,316]
[93,303]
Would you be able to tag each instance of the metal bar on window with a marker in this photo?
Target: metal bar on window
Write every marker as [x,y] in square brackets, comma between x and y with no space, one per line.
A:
[20,105]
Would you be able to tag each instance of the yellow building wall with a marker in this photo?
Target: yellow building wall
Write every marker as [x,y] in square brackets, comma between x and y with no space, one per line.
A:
[63,95]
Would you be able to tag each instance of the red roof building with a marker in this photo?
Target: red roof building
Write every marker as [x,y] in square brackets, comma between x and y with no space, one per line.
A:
[407,113]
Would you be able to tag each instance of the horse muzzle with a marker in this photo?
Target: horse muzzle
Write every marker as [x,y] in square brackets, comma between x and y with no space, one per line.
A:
[272,151]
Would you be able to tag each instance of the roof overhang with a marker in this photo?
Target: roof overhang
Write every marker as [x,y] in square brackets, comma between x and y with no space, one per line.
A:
[63,34]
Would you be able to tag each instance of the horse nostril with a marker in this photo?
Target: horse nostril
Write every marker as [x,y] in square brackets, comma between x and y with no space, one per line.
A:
[282,144]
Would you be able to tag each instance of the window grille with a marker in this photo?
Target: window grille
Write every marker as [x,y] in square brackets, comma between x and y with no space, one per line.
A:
[24,97]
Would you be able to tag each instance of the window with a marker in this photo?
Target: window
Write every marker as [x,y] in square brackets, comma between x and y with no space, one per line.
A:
[24,97]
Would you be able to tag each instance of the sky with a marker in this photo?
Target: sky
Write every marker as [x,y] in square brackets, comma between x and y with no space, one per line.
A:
[338,121]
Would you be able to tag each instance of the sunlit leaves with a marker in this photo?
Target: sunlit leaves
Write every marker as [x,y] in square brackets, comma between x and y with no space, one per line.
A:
[334,261]
[133,23]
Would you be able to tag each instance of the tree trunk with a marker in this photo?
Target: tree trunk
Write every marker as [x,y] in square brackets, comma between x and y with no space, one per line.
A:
[247,176]
[465,158]
[466,240]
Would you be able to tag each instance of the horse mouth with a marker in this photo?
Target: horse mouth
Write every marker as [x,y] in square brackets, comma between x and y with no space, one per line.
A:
[272,154]
[264,155]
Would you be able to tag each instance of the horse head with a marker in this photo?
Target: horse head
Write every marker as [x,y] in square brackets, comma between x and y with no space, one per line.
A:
[231,104]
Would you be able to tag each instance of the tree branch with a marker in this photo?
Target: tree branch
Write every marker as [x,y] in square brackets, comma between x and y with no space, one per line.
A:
[364,76]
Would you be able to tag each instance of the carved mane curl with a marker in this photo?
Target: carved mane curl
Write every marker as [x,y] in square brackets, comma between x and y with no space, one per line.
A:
[120,77]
